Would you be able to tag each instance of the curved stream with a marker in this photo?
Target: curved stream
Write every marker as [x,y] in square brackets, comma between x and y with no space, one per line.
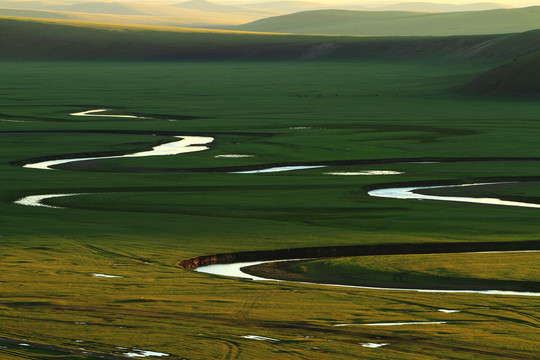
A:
[409,193]
[188,144]
[393,193]
[399,193]
[99,111]
[185,145]
[36,200]
[235,270]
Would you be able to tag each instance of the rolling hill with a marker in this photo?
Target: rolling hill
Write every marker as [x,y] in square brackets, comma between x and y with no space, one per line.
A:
[297,6]
[520,77]
[113,8]
[290,6]
[26,39]
[196,13]
[204,5]
[138,13]
[28,4]
[434,7]
[176,17]
[346,22]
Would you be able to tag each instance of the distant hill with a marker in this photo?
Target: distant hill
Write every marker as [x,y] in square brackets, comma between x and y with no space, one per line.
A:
[204,5]
[29,4]
[297,6]
[146,8]
[290,6]
[124,12]
[98,7]
[348,22]
[182,17]
[434,7]
[190,13]
[25,39]
[38,14]
[198,13]
[520,77]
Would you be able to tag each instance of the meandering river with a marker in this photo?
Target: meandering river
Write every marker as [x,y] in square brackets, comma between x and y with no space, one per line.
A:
[235,270]
[188,144]
[409,193]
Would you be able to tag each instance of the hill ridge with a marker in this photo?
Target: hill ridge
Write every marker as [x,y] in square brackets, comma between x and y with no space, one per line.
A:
[402,23]
[26,39]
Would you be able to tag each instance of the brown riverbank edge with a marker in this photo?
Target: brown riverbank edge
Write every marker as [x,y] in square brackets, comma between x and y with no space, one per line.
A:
[357,250]
[276,270]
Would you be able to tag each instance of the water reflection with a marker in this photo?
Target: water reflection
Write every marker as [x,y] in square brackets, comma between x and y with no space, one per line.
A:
[409,193]
[278,169]
[235,270]
[185,145]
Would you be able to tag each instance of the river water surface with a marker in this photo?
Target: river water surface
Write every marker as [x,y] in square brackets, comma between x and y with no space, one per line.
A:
[235,270]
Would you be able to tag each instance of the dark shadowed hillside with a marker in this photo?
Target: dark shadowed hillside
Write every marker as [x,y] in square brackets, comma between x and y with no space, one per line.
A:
[45,39]
[520,77]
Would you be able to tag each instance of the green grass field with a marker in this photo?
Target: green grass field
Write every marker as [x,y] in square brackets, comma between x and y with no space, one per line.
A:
[469,271]
[73,40]
[143,215]
[521,77]
[399,23]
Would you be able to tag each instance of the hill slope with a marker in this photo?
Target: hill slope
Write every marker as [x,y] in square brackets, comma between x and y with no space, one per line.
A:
[347,22]
[38,40]
[521,77]
[114,8]
[296,6]
[191,13]
[290,6]
[204,5]
[435,7]
[147,15]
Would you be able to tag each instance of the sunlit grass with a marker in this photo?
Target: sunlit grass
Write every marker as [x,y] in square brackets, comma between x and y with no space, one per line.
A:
[435,270]
[139,225]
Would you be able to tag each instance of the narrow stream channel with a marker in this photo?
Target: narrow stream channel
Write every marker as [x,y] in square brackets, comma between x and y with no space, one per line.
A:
[184,145]
[409,193]
[188,144]
[235,270]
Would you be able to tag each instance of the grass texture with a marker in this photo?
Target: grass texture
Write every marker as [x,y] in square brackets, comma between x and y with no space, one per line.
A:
[142,215]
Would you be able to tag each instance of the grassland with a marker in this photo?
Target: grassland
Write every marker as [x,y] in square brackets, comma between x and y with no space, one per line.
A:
[71,40]
[520,77]
[138,225]
[142,13]
[469,271]
[396,23]
[196,13]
